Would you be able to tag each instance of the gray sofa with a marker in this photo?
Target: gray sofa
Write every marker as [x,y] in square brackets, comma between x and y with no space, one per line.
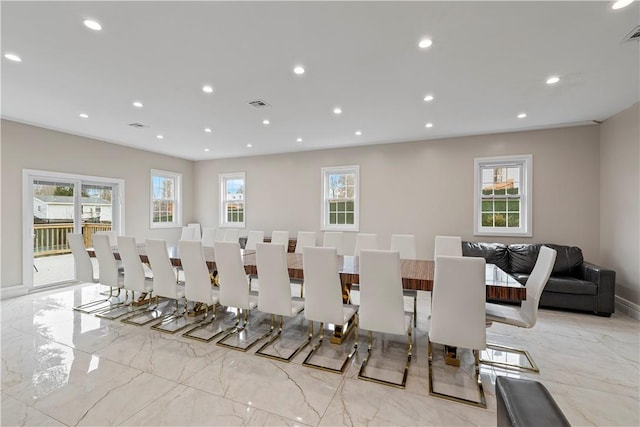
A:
[574,283]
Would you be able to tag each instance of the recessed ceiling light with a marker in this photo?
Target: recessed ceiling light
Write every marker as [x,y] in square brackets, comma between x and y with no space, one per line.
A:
[337,110]
[206,150]
[425,43]
[137,104]
[299,69]
[207,130]
[207,89]
[84,116]
[160,136]
[522,115]
[299,140]
[358,132]
[93,25]
[265,122]
[428,98]
[621,3]
[13,57]
[249,145]
[429,125]
[553,80]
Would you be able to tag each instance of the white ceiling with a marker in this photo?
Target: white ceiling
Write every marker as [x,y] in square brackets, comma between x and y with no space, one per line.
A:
[488,63]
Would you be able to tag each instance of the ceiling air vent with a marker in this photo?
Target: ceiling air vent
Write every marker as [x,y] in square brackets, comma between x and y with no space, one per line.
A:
[633,35]
[258,103]
[136,125]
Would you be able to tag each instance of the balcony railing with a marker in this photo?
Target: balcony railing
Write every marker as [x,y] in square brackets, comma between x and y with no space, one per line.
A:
[51,239]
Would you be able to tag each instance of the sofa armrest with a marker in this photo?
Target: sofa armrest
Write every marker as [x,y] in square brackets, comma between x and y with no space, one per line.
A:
[605,280]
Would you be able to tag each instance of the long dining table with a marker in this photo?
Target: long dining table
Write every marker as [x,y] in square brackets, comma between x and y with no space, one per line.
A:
[417,275]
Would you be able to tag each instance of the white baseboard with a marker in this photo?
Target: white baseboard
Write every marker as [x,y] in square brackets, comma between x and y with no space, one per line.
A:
[627,307]
[13,291]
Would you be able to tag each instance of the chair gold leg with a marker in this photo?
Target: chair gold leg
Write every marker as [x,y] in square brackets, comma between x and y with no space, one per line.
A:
[363,376]
[345,363]
[487,361]
[481,404]
[276,336]
[203,324]
[236,329]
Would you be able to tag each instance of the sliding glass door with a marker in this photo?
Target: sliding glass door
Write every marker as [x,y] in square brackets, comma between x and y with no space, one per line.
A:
[55,205]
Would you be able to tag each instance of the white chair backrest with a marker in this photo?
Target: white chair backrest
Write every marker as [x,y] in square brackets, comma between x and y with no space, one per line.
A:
[133,270]
[447,246]
[280,238]
[381,299]
[164,276]
[365,241]
[83,268]
[305,238]
[197,228]
[322,286]
[334,239]
[254,237]
[405,244]
[197,283]
[458,302]
[107,265]
[234,283]
[220,234]
[188,233]
[536,283]
[231,235]
[208,236]
[275,289]
[113,238]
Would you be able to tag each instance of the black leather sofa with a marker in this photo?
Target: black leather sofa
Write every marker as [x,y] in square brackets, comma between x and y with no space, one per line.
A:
[574,283]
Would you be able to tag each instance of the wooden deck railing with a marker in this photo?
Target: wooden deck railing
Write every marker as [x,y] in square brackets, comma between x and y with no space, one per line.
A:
[51,239]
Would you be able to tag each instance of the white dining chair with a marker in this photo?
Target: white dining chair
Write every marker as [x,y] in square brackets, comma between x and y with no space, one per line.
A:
[111,235]
[254,237]
[447,246]
[458,316]
[274,297]
[405,244]
[208,236]
[108,269]
[165,285]
[323,300]
[365,241]
[83,272]
[221,234]
[231,235]
[280,238]
[382,305]
[234,291]
[197,285]
[197,229]
[189,233]
[334,239]
[524,316]
[305,238]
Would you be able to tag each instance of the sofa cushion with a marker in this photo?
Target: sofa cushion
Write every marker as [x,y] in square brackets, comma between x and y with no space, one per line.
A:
[568,258]
[493,253]
[522,257]
[570,285]
[563,285]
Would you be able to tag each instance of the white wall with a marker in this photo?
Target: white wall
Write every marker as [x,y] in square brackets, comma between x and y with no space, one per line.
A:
[619,200]
[433,180]
[29,147]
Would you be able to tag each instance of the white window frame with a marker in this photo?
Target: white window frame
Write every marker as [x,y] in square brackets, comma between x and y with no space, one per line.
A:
[222,180]
[326,172]
[177,202]
[525,163]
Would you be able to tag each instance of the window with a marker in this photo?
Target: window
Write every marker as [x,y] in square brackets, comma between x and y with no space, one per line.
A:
[232,200]
[502,200]
[166,210]
[340,198]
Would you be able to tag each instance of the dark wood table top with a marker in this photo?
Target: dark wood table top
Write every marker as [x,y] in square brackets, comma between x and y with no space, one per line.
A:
[416,274]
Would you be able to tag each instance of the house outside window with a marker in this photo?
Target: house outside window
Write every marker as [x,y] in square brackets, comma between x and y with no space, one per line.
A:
[340,198]
[232,200]
[502,196]
[166,209]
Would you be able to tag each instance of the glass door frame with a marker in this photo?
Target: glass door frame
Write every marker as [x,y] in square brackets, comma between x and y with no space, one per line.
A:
[75,180]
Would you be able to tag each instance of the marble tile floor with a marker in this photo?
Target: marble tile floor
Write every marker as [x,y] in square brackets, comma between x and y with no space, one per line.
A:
[63,367]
